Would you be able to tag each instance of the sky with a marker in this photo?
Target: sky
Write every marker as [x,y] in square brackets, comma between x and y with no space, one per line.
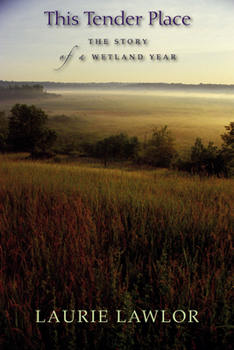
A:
[34,48]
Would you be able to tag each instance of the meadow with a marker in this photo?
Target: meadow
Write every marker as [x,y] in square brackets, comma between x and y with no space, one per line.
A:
[93,115]
[80,237]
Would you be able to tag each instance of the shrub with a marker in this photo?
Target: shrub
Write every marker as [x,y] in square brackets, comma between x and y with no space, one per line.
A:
[27,129]
[160,149]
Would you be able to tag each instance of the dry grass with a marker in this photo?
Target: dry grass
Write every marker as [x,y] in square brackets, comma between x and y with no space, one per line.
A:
[77,237]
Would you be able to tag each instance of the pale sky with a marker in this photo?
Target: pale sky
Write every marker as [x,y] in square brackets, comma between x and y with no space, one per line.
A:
[30,49]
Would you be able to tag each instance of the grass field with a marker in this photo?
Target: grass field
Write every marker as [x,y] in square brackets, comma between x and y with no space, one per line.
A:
[80,237]
[76,236]
[98,114]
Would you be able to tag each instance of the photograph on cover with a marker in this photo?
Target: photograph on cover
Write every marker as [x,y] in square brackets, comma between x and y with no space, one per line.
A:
[116,174]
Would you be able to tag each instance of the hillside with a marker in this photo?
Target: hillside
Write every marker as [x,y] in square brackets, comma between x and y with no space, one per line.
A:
[80,237]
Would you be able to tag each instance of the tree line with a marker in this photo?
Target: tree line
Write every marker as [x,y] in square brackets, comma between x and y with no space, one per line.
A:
[24,91]
[26,130]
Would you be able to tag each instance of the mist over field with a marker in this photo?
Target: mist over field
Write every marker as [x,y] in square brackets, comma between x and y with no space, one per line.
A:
[99,110]
[187,114]
[78,235]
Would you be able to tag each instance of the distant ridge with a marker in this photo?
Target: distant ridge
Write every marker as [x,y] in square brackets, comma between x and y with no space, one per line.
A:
[125,86]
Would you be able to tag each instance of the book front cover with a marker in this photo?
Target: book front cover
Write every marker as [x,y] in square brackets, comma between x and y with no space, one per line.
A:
[116,180]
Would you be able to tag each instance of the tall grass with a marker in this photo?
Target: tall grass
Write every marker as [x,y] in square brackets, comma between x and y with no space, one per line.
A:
[82,238]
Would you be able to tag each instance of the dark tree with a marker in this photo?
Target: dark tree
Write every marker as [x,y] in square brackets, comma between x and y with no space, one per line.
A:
[38,88]
[131,147]
[207,160]
[160,149]
[228,137]
[118,146]
[202,154]
[211,160]
[27,129]
[3,131]
[228,147]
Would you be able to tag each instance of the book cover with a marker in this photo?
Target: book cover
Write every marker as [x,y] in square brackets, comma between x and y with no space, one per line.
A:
[116,181]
